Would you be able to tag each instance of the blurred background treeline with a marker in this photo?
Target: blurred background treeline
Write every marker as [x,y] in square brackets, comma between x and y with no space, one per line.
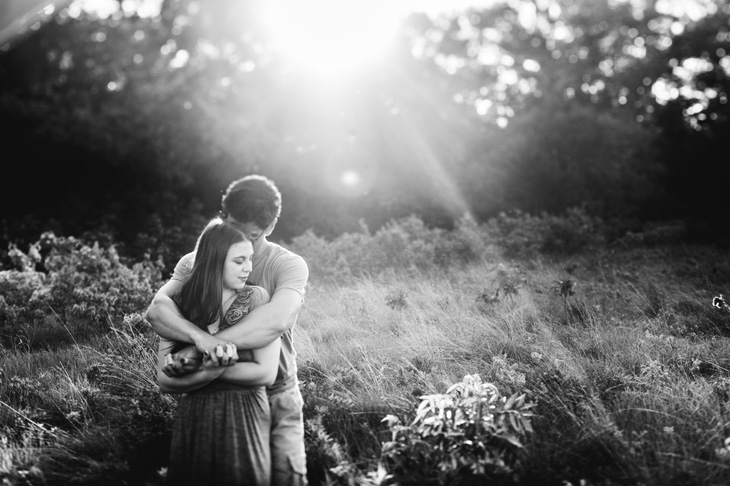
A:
[125,126]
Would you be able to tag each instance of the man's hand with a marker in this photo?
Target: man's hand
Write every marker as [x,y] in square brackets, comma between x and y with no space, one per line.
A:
[216,352]
[208,342]
[183,362]
[222,355]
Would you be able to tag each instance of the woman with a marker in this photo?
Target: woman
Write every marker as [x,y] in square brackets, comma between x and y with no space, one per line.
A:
[221,429]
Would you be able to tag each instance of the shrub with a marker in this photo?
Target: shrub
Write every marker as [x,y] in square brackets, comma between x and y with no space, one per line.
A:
[80,286]
[466,243]
[329,260]
[654,234]
[402,244]
[523,235]
[17,289]
[407,243]
[470,431]
[92,282]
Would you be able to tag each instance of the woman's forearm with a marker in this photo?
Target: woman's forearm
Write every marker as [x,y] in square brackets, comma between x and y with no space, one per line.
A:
[189,382]
[249,374]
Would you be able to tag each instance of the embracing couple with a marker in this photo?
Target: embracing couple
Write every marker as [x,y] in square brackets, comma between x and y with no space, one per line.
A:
[225,321]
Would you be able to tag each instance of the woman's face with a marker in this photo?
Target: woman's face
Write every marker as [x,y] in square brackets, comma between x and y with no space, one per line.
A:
[237,265]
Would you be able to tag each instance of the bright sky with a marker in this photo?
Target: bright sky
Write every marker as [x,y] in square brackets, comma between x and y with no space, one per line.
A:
[17,16]
[328,37]
[430,6]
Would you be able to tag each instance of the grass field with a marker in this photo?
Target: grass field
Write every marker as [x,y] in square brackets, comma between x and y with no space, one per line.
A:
[629,371]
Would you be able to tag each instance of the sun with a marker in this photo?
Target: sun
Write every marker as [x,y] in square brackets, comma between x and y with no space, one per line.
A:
[332,37]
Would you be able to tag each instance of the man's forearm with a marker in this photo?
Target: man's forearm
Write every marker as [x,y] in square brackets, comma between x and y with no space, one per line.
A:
[246,338]
[260,328]
[169,323]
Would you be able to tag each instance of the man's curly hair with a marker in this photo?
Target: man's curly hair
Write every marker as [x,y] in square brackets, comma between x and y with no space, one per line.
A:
[252,199]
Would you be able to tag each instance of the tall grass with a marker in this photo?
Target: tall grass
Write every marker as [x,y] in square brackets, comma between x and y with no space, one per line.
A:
[630,374]
[86,414]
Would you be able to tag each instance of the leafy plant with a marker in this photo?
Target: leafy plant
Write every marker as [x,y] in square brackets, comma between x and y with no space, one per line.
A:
[66,289]
[521,234]
[403,243]
[397,300]
[470,431]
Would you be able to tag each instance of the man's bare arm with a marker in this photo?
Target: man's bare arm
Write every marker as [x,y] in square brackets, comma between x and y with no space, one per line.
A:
[167,321]
[265,323]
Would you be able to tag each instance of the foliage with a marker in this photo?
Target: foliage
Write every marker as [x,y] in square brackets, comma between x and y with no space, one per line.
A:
[606,165]
[525,235]
[95,416]
[130,124]
[74,288]
[402,243]
[471,430]
[560,50]
[634,391]
[652,67]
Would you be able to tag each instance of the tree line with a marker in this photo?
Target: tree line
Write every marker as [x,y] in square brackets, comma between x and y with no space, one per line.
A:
[127,128]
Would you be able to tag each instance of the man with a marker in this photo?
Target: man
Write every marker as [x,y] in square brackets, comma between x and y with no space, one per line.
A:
[253,205]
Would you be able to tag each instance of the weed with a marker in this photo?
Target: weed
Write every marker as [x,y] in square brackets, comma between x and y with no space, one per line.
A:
[397,300]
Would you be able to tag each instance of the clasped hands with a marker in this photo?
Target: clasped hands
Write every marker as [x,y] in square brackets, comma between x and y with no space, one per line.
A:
[215,353]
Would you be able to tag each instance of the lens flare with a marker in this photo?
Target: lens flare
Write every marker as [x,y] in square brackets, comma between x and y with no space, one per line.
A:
[350,178]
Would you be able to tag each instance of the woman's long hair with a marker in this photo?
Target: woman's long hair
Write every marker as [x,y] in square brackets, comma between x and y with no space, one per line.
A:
[200,297]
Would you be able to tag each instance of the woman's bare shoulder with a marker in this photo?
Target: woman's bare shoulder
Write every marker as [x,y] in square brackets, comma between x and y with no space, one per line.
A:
[258,295]
[247,300]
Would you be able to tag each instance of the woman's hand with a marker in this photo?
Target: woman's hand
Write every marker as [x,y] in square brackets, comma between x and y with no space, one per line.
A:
[172,377]
[183,362]
[189,359]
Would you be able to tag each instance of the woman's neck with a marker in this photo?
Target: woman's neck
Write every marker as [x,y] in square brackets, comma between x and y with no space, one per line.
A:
[228,294]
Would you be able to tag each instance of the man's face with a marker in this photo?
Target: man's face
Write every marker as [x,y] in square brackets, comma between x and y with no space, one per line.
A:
[251,230]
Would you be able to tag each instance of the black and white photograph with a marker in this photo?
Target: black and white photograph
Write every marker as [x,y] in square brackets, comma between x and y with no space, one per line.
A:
[364,243]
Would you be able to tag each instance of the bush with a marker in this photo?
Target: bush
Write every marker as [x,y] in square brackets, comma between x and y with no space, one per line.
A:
[81,287]
[406,243]
[523,235]
[471,431]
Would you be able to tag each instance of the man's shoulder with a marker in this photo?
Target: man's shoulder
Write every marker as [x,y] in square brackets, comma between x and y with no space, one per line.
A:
[278,252]
[285,266]
[184,266]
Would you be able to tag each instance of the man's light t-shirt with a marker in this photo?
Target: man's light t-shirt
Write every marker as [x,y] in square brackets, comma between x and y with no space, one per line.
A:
[273,269]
